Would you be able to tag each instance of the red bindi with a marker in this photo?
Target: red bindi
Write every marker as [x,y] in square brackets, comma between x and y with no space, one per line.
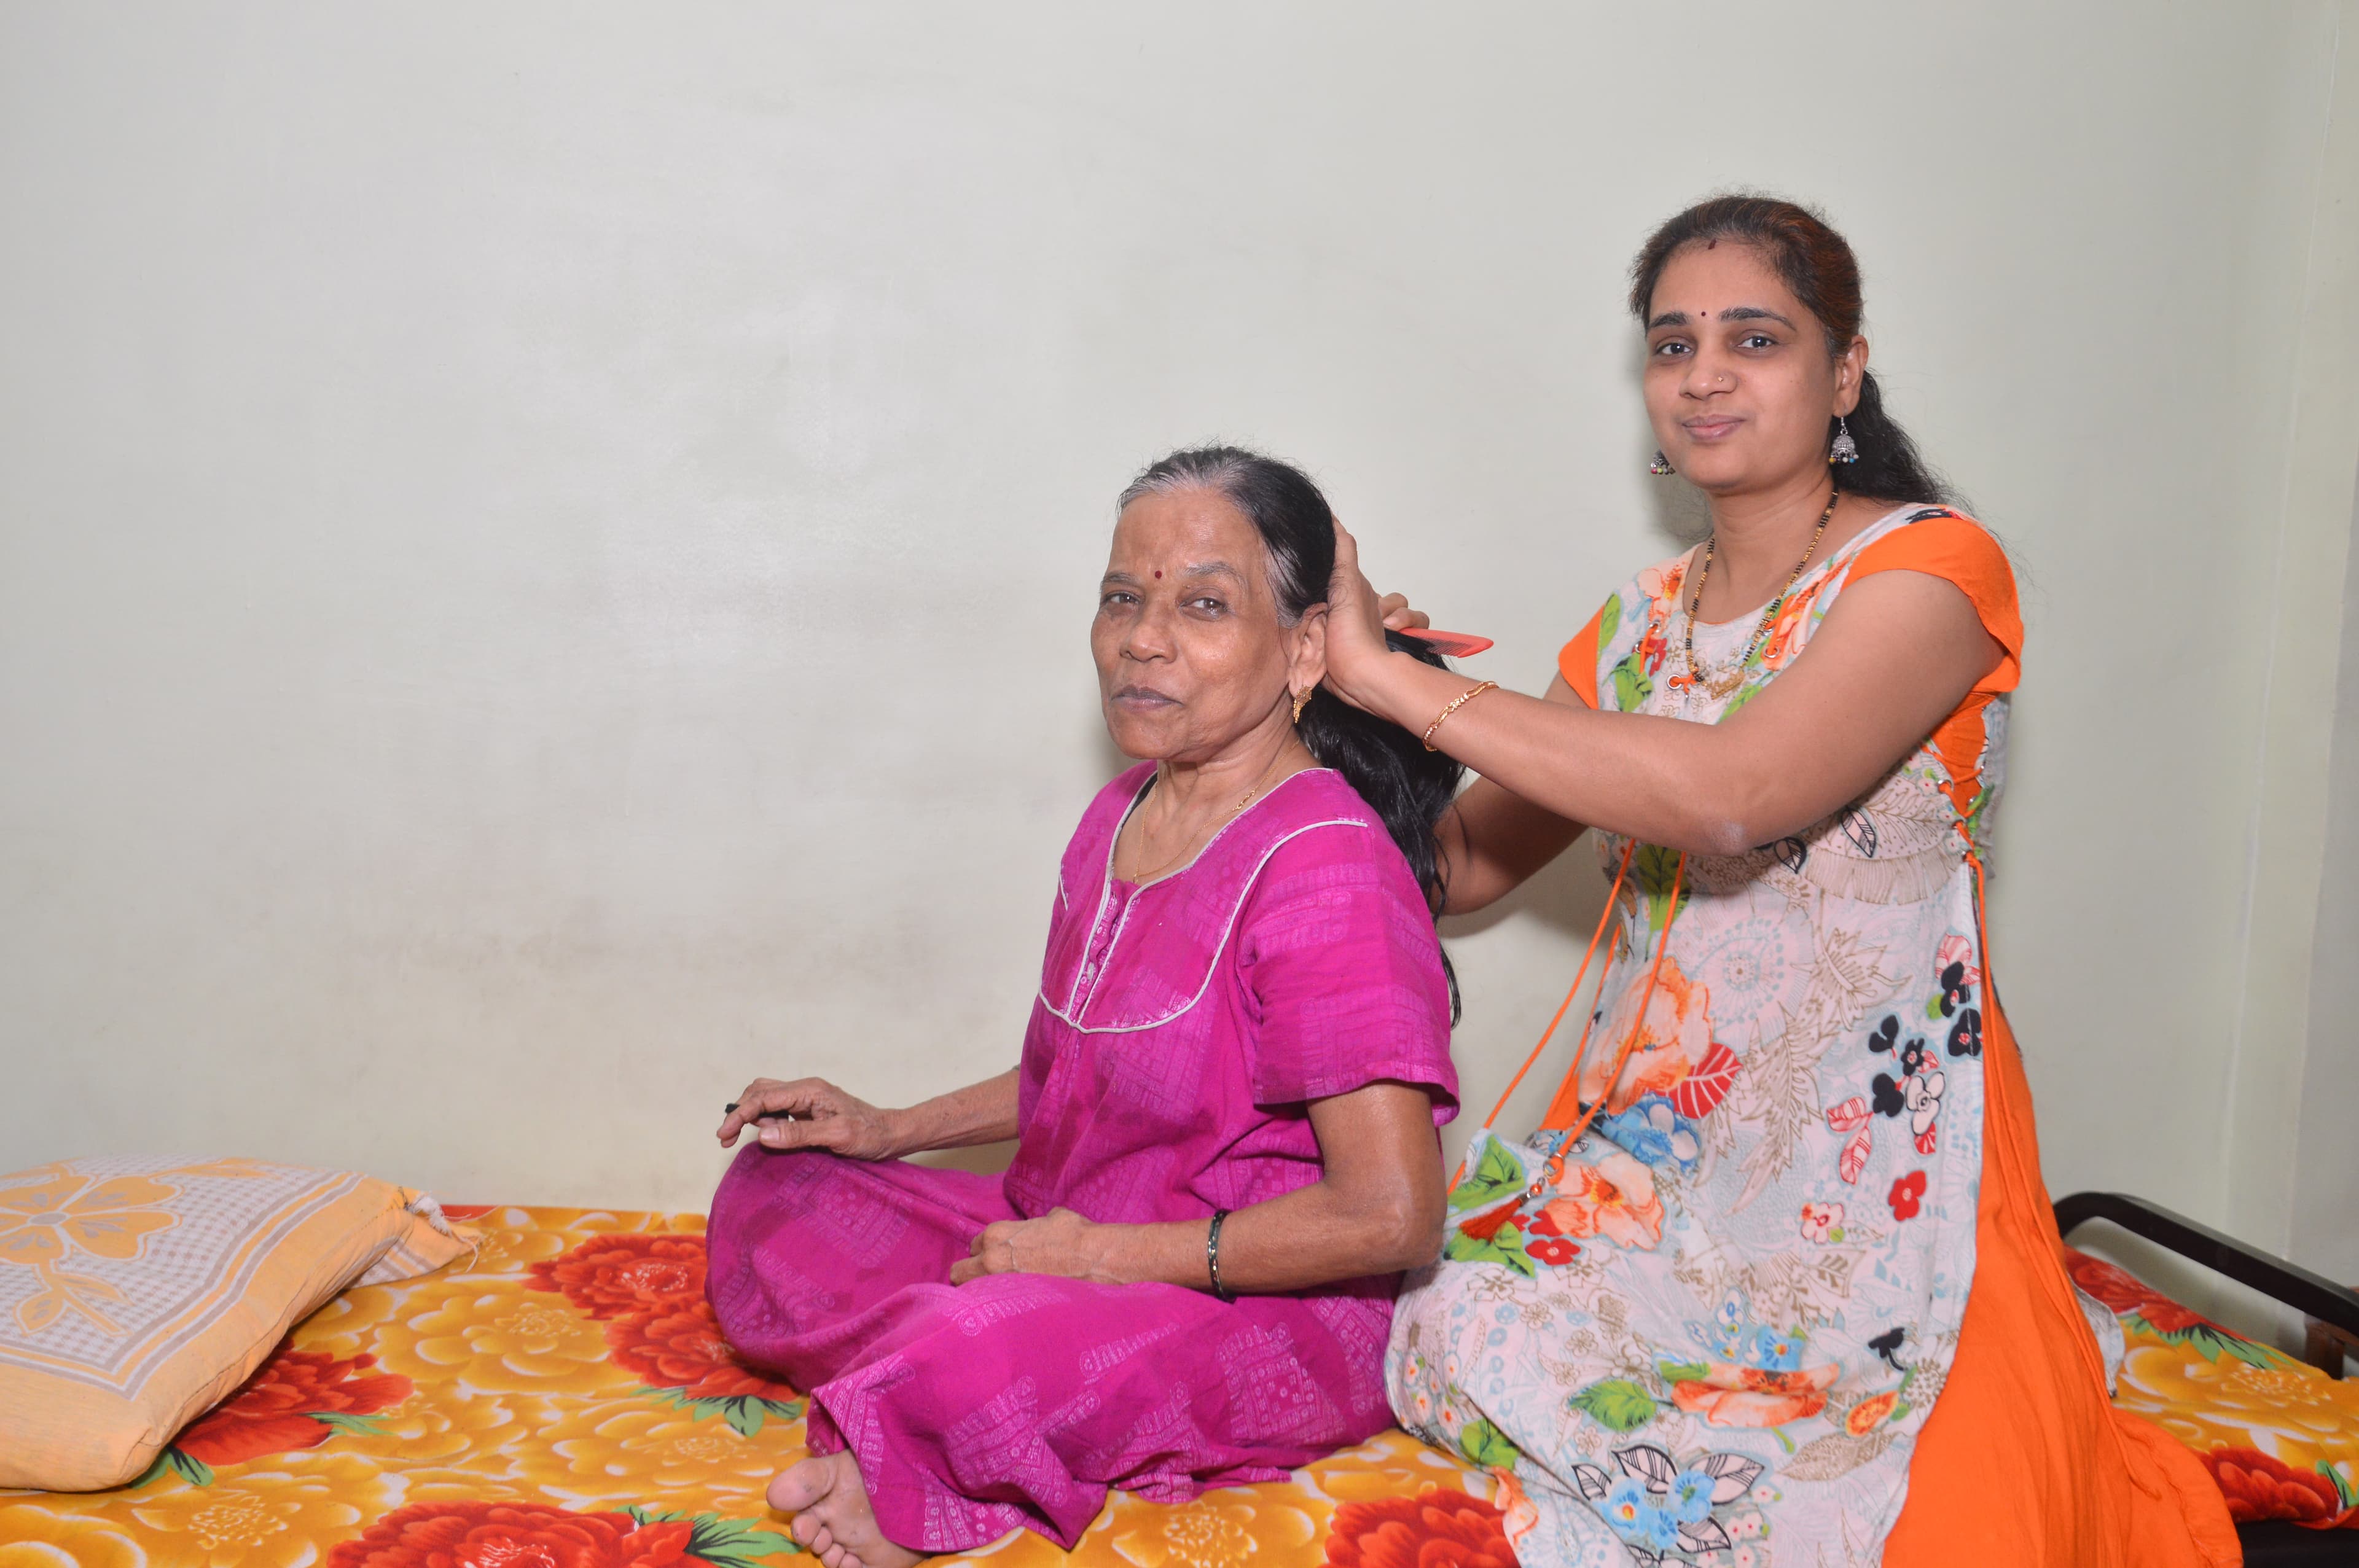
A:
[1159,577]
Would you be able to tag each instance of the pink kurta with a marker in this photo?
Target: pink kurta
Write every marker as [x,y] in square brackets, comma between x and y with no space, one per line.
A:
[1181,1030]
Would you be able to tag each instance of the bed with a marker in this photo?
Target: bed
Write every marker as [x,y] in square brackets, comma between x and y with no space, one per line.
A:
[561,1399]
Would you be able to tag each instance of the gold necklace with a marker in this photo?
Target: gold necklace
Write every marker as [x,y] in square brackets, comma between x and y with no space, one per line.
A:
[1719,686]
[1145,877]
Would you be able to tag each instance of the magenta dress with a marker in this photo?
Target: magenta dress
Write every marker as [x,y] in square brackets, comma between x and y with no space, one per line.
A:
[1181,1032]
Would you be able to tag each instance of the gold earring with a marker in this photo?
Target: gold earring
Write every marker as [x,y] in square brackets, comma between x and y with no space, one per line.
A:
[1301,701]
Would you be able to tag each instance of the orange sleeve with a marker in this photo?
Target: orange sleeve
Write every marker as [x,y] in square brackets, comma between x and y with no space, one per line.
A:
[1958,550]
[1578,662]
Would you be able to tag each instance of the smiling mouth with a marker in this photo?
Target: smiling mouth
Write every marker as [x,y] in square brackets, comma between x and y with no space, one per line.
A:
[1710,430]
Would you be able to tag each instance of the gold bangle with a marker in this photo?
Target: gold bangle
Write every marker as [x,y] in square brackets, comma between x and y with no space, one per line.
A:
[1460,700]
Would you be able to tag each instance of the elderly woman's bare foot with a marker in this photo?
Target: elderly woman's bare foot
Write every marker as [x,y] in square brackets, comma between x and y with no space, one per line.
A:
[832,1517]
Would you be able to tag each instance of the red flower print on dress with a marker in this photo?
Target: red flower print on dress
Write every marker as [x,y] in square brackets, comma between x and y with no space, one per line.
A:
[280,1408]
[685,1350]
[1439,1530]
[630,1273]
[1905,1194]
[2258,1486]
[527,1535]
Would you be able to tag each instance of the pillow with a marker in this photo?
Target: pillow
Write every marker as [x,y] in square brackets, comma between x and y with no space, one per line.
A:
[2279,1436]
[135,1292]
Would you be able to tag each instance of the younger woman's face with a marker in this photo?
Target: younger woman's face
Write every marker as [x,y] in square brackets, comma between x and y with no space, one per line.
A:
[1739,383]
[1192,658]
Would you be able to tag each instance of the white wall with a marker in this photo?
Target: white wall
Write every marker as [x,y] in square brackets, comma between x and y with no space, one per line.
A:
[545,552]
[2326,1173]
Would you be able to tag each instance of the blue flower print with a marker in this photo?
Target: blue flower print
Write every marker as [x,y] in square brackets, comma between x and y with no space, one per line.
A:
[1772,1351]
[1690,1497]
[1633,1515]
[1656,1133]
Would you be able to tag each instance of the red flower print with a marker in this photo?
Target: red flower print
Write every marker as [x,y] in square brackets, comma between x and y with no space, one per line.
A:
[528,1535]
[273,1413]
[684,1350]
[1553,1249]
[1439,1530]
[459,1213]
[1905,1194]
[2259,1488]
[1484,1226]
[628,1274]
[2122,1291]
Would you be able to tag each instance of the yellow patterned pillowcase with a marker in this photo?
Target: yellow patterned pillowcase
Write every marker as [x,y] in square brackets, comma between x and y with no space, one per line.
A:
[135,1292]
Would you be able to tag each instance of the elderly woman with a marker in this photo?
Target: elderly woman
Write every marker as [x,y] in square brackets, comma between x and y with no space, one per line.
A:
[1775,1280]
[1225,1109]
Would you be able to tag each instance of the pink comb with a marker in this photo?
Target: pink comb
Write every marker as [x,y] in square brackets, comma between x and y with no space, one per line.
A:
[1455,645]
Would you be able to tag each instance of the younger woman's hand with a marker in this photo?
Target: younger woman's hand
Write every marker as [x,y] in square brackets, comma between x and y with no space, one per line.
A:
[1357,619]
[1059,1242]
[1399,617]
[824,1118]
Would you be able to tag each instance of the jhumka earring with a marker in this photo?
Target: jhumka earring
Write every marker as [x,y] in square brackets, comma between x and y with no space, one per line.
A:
[1661,465]
[1845,449]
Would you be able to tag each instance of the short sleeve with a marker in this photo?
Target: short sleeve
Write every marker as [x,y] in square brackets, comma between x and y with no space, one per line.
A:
[1578,662]
[1343,962]
[1961,551]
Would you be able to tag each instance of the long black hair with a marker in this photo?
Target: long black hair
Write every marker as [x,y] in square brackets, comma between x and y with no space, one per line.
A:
[1818,266]
[1408,786]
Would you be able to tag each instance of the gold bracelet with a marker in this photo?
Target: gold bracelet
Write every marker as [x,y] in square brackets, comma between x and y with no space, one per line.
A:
[1460,700]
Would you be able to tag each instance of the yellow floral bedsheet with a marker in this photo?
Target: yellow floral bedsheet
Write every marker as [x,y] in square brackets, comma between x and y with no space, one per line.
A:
[2280,1437]
[563,1399]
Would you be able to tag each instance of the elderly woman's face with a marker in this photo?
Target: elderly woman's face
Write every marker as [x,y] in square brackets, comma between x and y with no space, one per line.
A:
[1190,656]
[1739,383]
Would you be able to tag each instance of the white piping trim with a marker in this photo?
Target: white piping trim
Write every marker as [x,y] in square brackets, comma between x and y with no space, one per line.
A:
[1078,1004]
[1218,949]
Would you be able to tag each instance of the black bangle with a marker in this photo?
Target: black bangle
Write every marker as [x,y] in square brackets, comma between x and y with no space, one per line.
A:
[1212,1254]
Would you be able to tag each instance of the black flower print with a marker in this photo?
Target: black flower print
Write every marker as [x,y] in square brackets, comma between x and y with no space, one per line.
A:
[1955,989]
[1917,1088]
[1966,1033]
[1888,1345]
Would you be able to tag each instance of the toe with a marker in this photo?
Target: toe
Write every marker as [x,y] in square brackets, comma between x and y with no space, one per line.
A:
[835,1557]
[795,1489]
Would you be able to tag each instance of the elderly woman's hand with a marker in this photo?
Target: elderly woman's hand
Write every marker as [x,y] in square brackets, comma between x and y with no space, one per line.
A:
[824,1118]
[1059,1242]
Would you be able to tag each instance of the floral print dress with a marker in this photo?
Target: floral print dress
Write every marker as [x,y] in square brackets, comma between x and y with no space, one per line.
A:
[1710,1331]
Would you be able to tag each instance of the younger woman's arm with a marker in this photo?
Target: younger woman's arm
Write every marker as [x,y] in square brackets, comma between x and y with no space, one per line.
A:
[1896,655]
[1491,841]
